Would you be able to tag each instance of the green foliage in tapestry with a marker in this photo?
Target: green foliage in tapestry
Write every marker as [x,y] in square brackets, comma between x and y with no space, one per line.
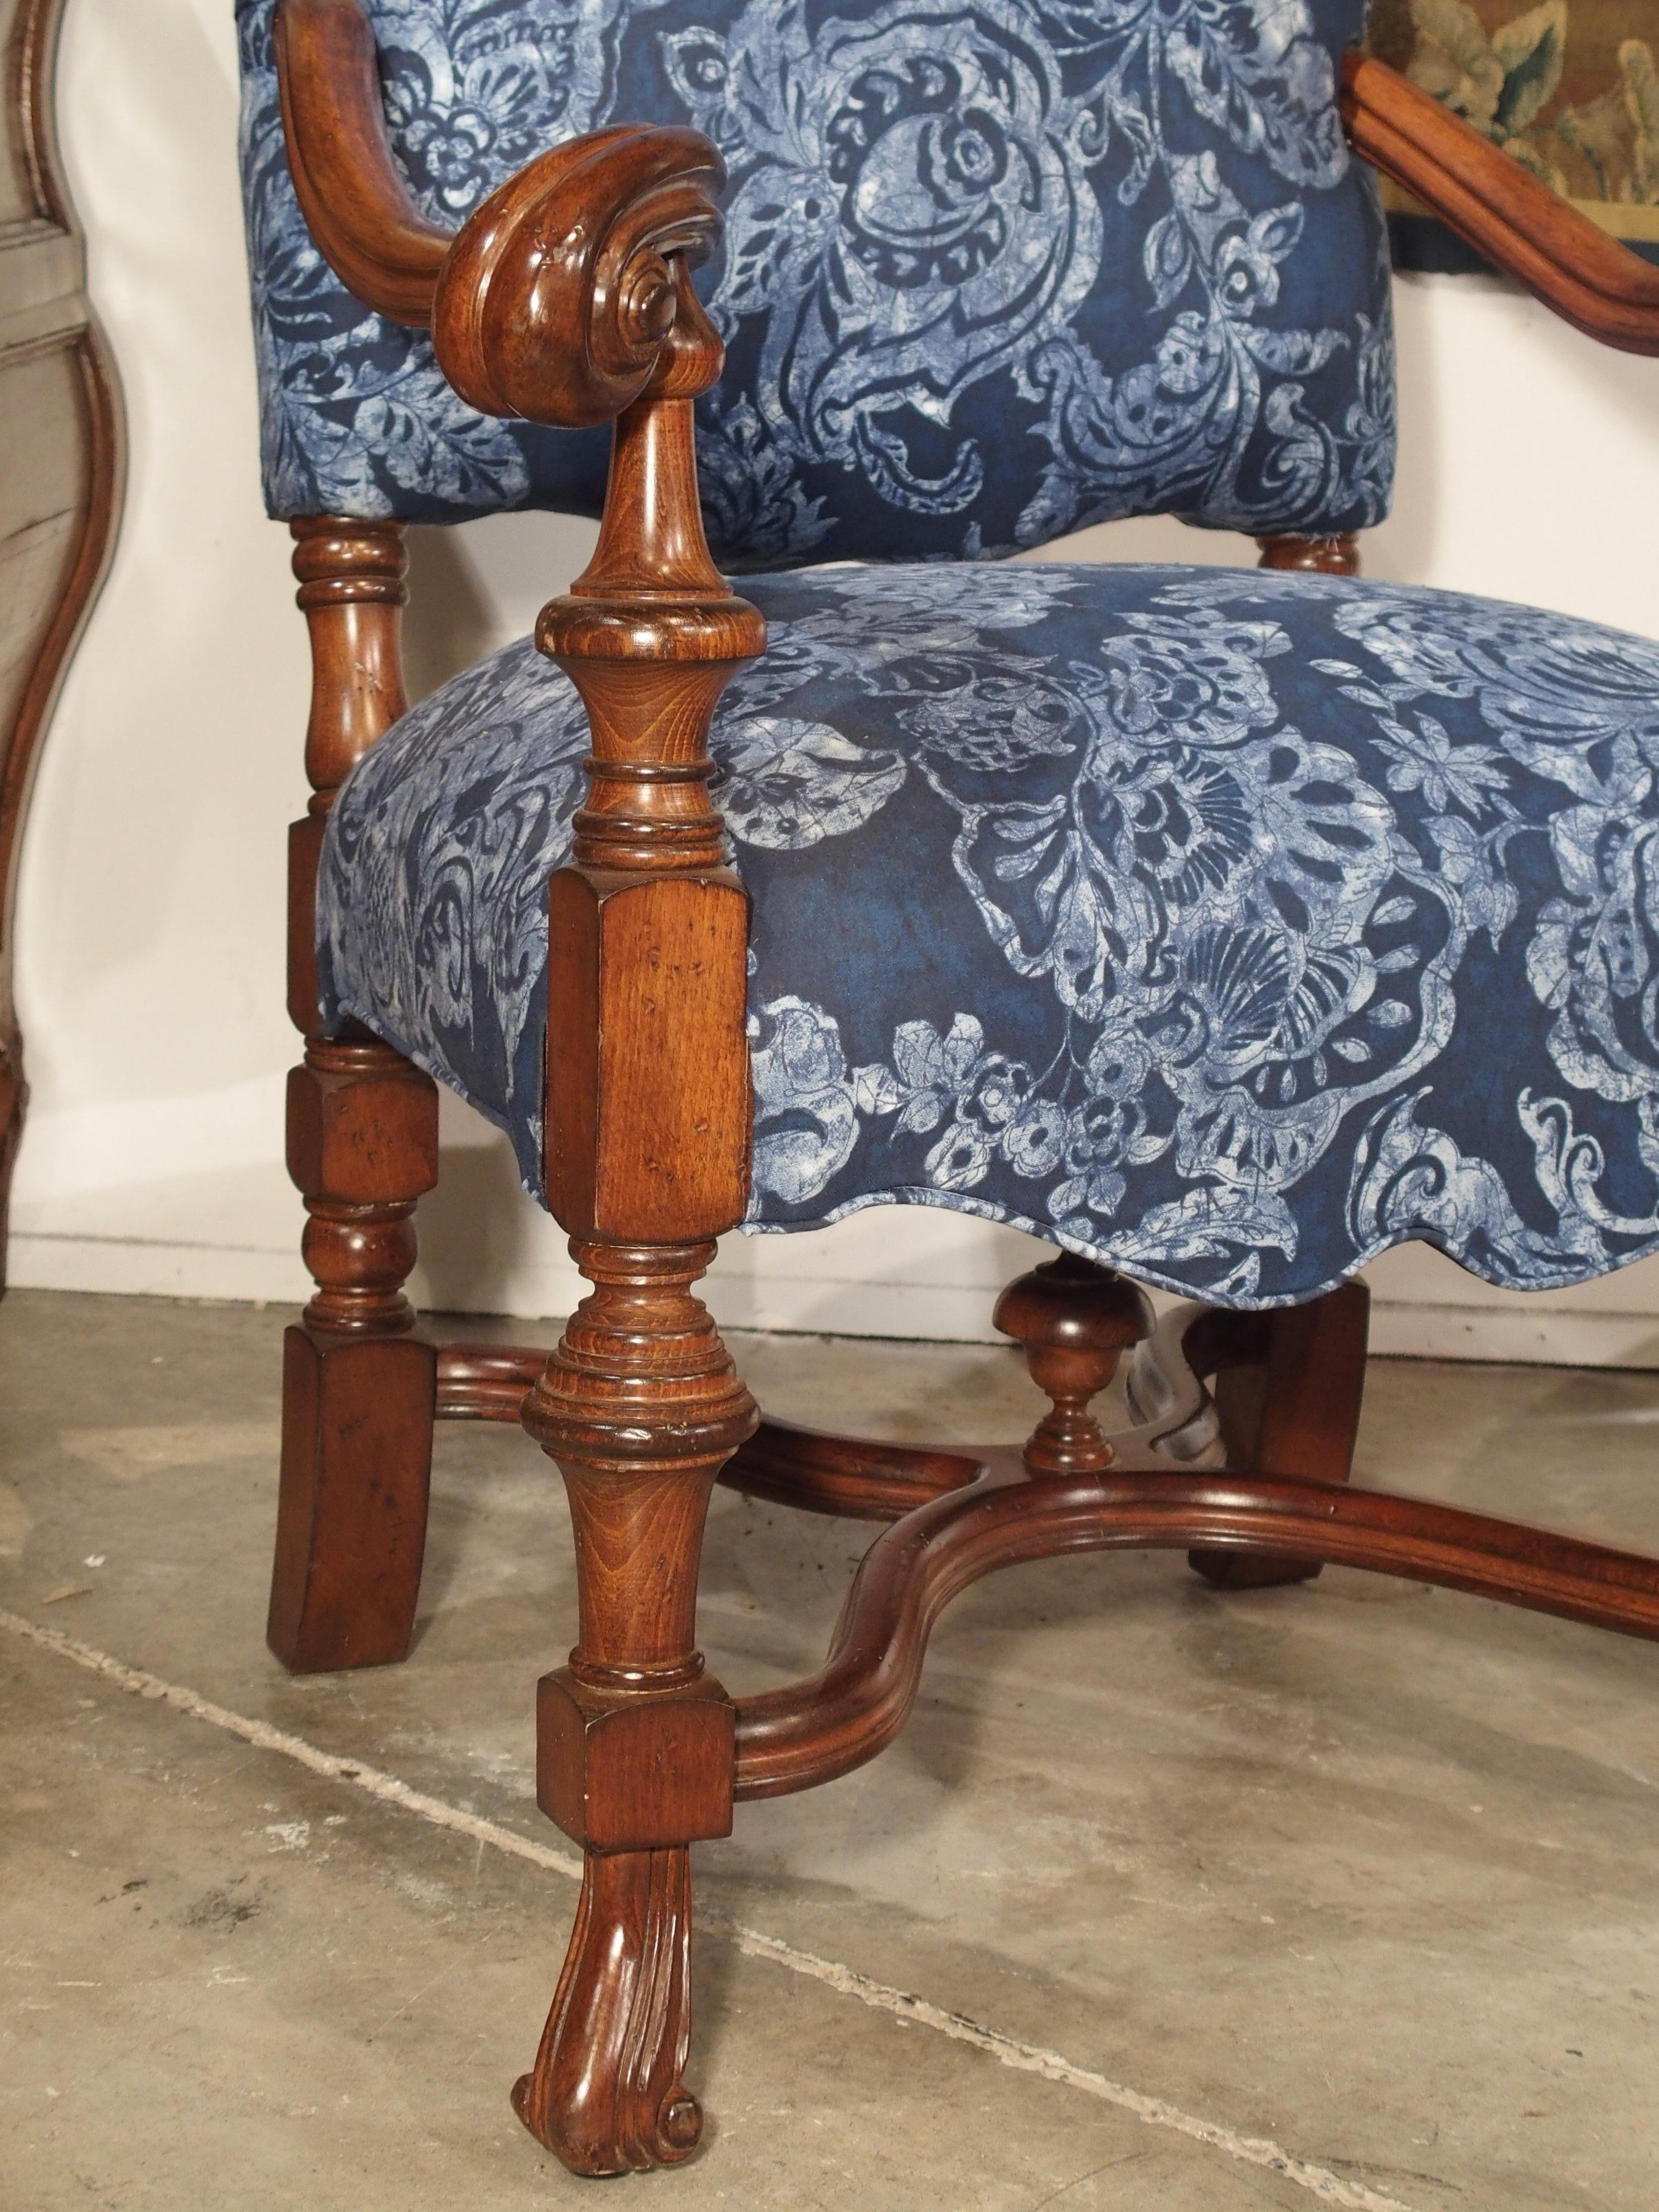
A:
[1591,131]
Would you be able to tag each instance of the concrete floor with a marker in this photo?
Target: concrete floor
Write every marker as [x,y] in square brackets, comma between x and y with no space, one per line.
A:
[1341,1895]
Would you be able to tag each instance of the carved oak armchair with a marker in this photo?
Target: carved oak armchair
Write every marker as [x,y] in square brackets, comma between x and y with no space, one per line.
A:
[1222,928]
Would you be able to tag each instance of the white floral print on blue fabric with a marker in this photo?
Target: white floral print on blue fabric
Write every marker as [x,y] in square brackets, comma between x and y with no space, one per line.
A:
[1229,926]
[993,268]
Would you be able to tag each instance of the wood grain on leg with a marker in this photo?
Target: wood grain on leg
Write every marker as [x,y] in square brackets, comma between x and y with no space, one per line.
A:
[640,1407]
[359,1387]
[567,299]
[606,2092]
[648,1122]
[1298,1413]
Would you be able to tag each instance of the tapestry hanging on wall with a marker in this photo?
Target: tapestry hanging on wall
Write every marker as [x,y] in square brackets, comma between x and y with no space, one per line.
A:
[1570,89]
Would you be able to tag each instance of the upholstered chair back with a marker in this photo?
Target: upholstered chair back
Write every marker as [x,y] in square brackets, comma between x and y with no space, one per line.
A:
[992,269]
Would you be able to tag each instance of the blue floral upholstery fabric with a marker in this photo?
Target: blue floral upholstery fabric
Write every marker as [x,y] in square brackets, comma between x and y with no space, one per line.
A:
[1227,926]
[993,268]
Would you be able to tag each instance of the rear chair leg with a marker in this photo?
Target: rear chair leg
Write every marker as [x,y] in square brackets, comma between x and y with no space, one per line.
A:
[1296,1414]
[359,1389]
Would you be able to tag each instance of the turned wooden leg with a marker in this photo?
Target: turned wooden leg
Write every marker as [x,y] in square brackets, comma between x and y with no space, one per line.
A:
[359,1389]
[1075,1320]
[641,1407]
[1312,556]
[1296,1414]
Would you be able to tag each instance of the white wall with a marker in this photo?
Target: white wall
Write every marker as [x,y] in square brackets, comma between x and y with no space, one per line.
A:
[150,930]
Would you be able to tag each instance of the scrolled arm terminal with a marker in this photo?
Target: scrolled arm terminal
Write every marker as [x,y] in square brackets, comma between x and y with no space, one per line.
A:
[583,241]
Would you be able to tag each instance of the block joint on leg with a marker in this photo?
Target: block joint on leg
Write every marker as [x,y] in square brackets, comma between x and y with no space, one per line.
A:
[359,1388]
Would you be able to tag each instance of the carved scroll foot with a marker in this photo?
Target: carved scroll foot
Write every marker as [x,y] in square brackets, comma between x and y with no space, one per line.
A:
[606,2094]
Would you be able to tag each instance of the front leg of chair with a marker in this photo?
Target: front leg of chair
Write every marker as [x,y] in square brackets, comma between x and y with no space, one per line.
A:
[567,299]
[1295,1412]
[640,1407]
[647,1137]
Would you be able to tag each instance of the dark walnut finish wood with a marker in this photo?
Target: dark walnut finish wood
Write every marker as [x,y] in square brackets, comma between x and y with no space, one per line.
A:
[640,1407]
[647,1111]
[1006,1511]
[350,190]
[1314,557]
[1216,1398]
[1293,1411]
[359,1385]
[1531,233]
[566,299]
[60,474]
[1075,1321]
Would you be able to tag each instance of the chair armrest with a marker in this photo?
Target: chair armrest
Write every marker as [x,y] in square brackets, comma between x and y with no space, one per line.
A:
[1481,192]
[354,199]
[563,296]
[566,299]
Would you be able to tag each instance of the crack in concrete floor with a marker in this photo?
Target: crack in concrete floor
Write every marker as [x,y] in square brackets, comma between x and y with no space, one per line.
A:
[1358,1870]
[1328,2188]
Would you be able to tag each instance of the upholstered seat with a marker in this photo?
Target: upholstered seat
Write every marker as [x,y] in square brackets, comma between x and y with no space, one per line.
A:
[1228,927]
